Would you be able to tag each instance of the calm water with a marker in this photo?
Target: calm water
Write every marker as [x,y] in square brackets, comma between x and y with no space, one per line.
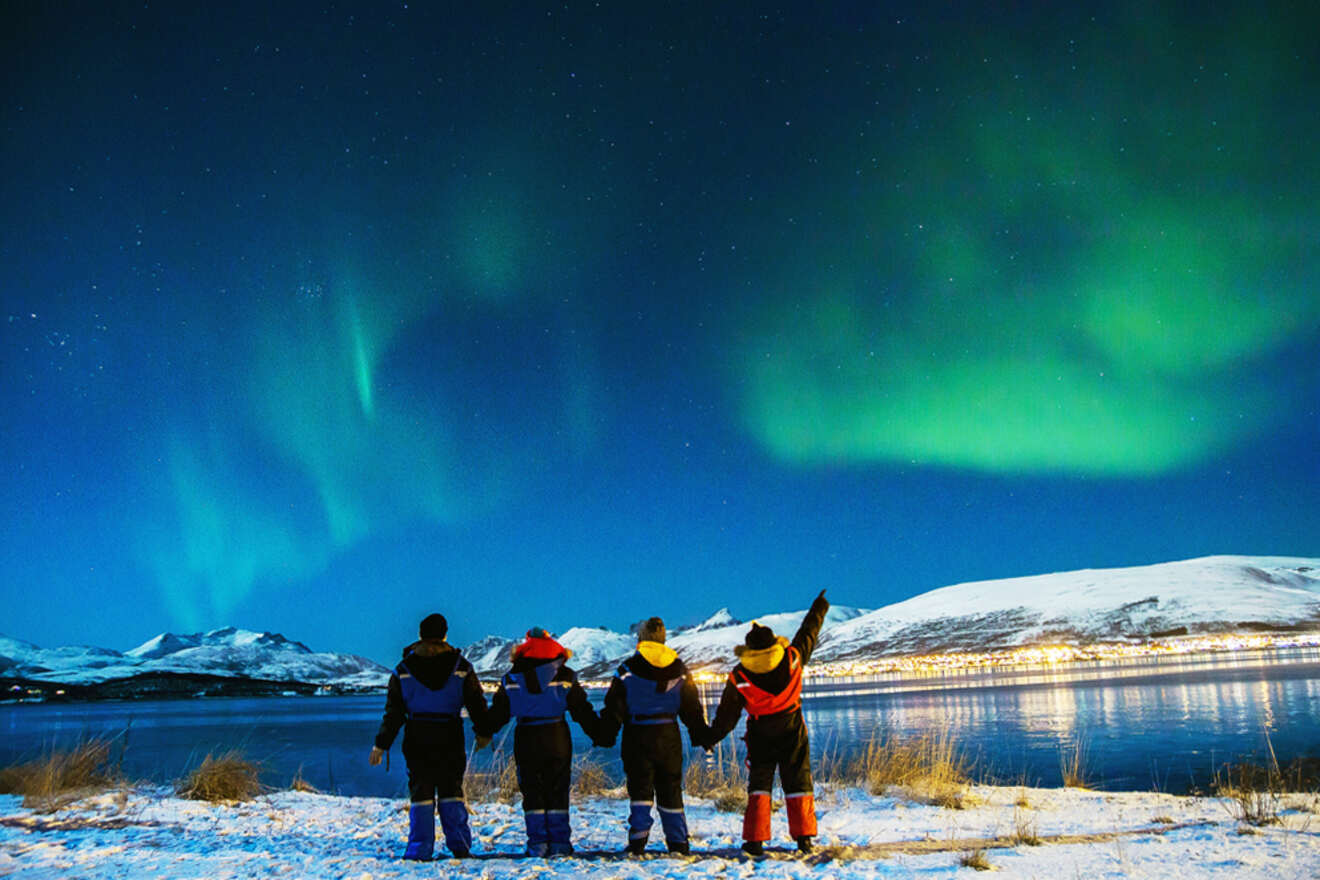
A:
[1152,723]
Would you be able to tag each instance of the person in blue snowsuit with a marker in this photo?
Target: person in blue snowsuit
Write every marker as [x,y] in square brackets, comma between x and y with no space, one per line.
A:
[537,691]
[430,687]
[648,696]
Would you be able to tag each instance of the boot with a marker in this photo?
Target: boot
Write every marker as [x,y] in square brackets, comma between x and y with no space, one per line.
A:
[804,844]
[421,832]
[753,848]
[454,822]
[636,846]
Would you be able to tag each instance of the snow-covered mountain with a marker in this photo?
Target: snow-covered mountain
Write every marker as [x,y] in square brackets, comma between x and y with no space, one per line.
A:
[1212,594]
[1207,595]
[222,654]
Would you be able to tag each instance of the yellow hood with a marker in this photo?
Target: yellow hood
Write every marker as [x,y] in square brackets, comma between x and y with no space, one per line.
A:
[657,654]
[761,660]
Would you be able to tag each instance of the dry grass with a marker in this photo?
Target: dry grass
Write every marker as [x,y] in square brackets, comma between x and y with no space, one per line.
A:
[498,783]
[300,783]
[1252,794]
[975,858]
[721,777]
[229,777]
[60,776]
[927,769]
[1073,764]
[1024,829]
[590,778]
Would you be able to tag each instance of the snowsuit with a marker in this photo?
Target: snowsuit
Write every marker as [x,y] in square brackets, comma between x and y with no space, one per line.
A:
[537,691]
[768,684]
[649,694]
[427,692]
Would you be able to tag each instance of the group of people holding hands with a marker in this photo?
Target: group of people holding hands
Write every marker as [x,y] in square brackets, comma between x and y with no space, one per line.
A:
[648,696]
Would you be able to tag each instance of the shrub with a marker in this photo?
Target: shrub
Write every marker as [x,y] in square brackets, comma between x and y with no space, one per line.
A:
[229,777]
[61,775]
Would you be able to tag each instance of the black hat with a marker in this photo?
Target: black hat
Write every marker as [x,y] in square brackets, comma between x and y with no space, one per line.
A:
[651,630]
[759,637]
[434,626]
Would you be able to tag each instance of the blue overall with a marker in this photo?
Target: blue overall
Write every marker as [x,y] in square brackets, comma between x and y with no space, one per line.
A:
[543,752]
[435,777]
[653,757]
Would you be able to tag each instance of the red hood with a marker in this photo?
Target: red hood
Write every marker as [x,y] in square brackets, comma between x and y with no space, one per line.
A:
[540,648]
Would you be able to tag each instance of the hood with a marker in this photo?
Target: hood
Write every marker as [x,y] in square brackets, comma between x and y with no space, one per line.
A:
[540,648]
[657,654]
[762,660]
[428,648]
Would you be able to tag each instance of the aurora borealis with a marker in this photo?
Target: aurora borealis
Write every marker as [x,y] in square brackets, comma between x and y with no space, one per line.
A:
[322,318]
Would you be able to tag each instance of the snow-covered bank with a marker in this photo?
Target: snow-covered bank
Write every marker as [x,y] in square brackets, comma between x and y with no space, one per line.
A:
[291,834]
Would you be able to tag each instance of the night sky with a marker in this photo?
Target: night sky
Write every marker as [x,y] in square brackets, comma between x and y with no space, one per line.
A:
[318,318]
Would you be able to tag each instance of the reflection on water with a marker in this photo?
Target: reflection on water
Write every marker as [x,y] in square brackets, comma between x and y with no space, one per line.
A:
[1149,722]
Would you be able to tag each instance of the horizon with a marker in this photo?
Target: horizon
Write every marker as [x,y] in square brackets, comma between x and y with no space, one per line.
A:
[329,318]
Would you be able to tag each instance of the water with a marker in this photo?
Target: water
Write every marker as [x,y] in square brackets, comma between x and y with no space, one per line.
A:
[1165,723]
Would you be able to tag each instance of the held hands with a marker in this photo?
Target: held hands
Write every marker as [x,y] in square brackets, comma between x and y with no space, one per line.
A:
[481,742]
[377,754]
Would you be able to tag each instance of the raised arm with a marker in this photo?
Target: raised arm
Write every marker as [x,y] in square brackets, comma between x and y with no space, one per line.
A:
[809,631]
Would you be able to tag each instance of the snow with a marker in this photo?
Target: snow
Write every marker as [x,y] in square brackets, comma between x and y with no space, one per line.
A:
[226,652]
[150,833]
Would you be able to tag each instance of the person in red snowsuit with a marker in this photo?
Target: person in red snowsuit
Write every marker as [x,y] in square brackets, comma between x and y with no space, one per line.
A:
[767,682]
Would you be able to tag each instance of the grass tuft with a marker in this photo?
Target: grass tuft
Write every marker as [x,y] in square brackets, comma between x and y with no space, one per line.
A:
[975,858]
[60,776]
[1073,764]
[498,783]
[1024,828]
[300,783]
[229,777]
[721,777]
[928,769]
[590,778]
[1251,793]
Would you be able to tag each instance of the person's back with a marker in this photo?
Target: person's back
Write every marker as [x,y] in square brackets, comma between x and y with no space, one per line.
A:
[767,682]
[427,693]
[537,691]
[649,694]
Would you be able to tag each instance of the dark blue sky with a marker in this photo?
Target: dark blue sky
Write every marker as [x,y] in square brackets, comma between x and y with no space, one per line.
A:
[318,318]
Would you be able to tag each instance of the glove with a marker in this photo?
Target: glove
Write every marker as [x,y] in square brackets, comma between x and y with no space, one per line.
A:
[482,742]
[377,754]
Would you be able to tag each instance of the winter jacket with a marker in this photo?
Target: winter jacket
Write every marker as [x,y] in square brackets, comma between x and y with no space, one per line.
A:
[651,688]
[431,685]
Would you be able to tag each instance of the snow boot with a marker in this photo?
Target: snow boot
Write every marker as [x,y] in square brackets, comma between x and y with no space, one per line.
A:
[557,828]
[421,832]
[538,840]
[804,844]
[674,822]
[753,848]
[454,821]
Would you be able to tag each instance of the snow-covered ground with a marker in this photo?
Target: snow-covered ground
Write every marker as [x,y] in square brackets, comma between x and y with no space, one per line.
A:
[289,834]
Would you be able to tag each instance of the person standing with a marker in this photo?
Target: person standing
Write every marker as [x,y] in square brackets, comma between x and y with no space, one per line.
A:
[537,691]
[648,696]
[430,687]
[767,682]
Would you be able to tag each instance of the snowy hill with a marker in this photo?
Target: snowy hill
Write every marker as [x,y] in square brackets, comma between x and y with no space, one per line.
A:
[170,662]
[1212,594]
